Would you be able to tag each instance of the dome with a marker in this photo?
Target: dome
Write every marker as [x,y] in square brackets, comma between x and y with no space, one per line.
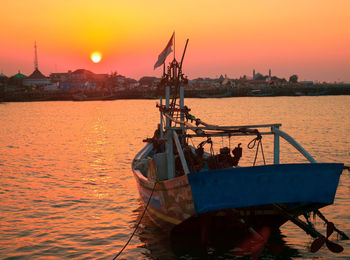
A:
[19,75]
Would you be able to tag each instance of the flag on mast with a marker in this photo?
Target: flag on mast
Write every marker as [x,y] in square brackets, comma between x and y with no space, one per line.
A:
[167,50]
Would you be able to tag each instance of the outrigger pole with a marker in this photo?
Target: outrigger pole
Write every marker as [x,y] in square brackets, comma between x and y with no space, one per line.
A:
[182,59]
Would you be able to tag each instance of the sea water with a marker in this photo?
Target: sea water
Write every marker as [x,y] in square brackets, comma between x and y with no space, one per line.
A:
[67,190]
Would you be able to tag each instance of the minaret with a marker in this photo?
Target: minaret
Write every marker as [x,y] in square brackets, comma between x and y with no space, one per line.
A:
[35,57]
[269,74]
[253,73]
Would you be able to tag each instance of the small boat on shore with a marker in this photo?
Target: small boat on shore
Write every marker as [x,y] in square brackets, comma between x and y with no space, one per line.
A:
[192,188]
[218,95]
[81,96]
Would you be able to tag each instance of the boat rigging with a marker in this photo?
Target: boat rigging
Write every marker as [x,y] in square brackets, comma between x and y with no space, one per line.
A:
[197,188]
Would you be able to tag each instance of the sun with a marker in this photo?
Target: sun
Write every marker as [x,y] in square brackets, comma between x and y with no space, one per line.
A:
[96,57]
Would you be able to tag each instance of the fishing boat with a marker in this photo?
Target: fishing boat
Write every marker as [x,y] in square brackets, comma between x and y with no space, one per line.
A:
[188,188]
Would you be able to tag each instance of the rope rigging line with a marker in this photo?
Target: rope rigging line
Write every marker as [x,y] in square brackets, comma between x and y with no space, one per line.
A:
[229,141]
[138,223]
[251,145]
[262,151]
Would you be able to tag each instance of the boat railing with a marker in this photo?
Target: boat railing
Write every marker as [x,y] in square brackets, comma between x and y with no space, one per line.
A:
[244,130]
[145,150]
[277,132]
[184,121]
[236,127]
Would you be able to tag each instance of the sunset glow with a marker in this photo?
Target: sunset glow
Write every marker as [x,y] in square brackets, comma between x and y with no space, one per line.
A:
[96,57]
[308,38]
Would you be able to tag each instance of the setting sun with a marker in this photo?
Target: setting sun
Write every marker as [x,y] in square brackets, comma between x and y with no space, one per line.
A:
[96,57]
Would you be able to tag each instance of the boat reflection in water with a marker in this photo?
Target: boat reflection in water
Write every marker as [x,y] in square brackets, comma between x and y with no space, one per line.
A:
[226,244]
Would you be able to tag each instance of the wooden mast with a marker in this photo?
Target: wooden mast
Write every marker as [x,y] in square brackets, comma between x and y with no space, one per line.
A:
[174,82]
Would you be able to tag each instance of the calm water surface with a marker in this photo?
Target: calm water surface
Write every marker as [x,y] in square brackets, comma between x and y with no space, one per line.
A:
[67,190]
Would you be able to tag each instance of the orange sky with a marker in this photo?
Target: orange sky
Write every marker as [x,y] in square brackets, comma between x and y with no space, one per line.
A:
[309,38]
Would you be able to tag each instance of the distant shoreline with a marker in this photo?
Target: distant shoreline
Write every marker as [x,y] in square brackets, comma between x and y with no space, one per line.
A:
[315,90]
[84,85]
[188,94]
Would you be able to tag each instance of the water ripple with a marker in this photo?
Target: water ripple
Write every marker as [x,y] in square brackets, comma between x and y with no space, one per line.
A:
[67,190]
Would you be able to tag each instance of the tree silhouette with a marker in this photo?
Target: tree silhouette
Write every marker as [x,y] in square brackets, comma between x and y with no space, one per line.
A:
[293,79]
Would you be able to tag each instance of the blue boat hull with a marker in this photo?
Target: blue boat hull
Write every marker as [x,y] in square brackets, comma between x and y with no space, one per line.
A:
[264,185]
[250,192]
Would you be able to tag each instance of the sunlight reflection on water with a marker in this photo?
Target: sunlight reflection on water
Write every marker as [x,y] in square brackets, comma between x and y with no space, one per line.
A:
[67,189]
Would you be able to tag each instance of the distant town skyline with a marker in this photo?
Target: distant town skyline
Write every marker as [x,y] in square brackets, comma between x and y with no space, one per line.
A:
[307,38]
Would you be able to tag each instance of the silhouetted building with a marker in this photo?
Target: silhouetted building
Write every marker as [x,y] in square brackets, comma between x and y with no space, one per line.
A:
[36,79]
[79,75]
[17,79]
[3,81]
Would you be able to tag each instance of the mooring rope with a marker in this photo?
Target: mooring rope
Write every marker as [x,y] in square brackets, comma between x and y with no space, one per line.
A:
[138,223]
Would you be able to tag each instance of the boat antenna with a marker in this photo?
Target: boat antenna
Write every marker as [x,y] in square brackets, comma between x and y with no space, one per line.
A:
[174,44]
[182,59]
